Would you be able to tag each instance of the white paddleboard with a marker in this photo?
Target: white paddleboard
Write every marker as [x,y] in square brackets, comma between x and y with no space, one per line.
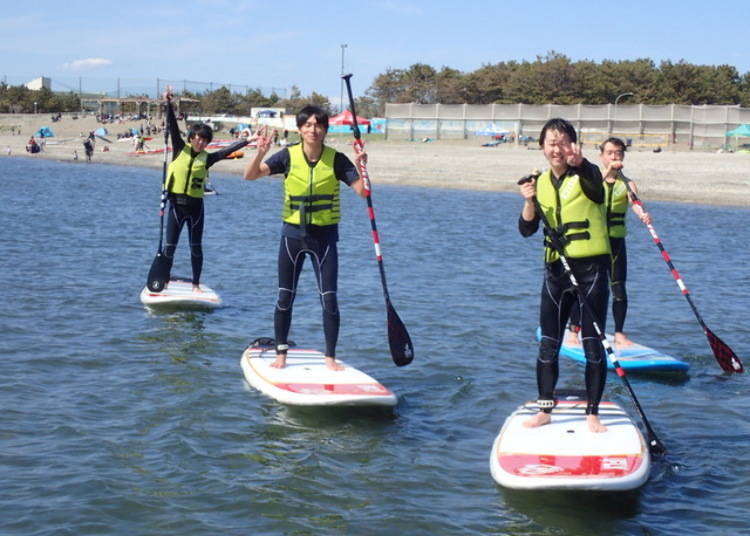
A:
[306,381]
[566,455]
[179,293]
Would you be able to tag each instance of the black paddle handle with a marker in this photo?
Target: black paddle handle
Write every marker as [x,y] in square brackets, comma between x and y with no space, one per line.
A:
[355,126]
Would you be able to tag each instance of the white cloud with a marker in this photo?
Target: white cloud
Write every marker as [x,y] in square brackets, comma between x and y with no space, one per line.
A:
[85,64]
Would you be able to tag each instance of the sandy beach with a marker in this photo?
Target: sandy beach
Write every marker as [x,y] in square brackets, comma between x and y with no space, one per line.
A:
[689,177]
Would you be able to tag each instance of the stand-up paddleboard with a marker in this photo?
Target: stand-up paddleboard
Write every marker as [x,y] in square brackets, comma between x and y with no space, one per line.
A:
[564,454]
[179,293]
[635,358]
[306,381]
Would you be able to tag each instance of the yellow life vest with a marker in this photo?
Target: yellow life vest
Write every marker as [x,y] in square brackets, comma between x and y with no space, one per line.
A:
[187,173]
[312,190]
[578,220]
[616,195]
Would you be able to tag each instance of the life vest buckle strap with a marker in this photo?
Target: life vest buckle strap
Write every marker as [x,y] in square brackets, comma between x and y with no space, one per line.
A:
[311,198]
[310,208]
[575,225]
[578,236]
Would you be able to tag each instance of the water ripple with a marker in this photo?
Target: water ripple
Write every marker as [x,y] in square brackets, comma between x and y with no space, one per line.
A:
[120,421]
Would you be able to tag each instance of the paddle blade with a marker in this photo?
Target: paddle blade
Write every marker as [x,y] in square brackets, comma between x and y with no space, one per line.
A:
[158,275]
[727,359]
[655,447]
[402,351]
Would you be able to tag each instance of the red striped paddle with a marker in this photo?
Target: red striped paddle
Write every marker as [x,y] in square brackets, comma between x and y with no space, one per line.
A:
[727,359]
[656,447]
[402,351]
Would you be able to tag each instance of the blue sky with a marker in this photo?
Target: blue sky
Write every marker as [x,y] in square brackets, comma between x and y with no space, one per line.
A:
[280,44]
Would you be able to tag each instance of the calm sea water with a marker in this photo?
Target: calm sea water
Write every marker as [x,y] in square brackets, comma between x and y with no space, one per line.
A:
[118,421]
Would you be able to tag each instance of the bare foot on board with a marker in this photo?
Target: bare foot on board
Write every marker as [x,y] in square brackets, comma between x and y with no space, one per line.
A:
[280,361]
[331,364]
[622,340]
[572,339]
[540,419]
[595,425]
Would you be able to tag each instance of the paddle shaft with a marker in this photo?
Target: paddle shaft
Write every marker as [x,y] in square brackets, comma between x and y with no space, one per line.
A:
[655,444]
[727,359]
[158,274]
[164,191]
[402,350]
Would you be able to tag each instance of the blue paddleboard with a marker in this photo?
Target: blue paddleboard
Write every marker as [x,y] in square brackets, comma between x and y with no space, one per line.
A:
[635,358]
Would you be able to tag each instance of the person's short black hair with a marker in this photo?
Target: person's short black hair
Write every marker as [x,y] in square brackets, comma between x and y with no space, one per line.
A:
[202,130]
[614,141]
[321,116]
[561,125]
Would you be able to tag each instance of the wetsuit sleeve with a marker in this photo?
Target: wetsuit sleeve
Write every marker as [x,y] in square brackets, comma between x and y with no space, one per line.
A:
[592,182]
[344,169]
[174,131]
[528,228]
[278,163]
[223,153]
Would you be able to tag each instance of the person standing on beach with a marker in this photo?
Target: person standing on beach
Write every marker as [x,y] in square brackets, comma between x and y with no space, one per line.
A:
[184,183]
[88,146]
[571,195]
[612,154]
[313,173]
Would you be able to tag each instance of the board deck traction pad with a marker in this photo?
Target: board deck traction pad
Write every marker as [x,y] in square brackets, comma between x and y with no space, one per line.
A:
[306,384]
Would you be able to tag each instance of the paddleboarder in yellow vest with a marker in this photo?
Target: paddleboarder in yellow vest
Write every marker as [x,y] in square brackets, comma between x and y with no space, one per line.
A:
[185,178]
[612,154]
[571,195]
[311,211]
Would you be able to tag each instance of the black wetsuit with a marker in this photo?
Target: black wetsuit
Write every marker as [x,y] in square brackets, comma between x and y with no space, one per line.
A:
[184,209]
[559,296]
[318,243]
[618,271]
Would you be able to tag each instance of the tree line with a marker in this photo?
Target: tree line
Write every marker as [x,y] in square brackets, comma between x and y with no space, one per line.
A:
[552,78]
[20,99]
[555,79]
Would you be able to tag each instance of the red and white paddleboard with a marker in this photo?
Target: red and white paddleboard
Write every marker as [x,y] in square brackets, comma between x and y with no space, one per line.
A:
[179,293]
[306,381]
[565,454]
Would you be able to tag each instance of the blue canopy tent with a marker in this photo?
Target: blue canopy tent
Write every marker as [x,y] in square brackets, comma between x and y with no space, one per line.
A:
[44,132]
[742,131]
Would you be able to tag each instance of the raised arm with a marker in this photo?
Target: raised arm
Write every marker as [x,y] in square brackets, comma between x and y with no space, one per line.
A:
[174,129]
[221,154]
[256,168]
